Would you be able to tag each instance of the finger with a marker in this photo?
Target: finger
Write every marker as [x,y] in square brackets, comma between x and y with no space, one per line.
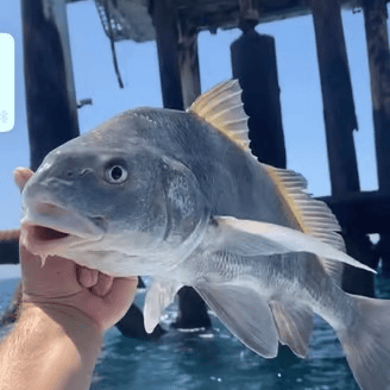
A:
[122,294]
[22,176]
[118,301]
[87,277]
[30,263]
[56,279]
[103,285]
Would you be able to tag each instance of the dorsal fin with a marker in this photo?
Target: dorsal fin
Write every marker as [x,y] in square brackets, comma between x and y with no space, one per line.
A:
[311,216]
[222,108]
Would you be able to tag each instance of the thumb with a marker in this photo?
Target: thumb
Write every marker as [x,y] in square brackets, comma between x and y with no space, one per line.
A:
[122,294]
[22,176]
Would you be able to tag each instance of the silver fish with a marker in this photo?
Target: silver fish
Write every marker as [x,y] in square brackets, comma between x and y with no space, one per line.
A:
[179,196]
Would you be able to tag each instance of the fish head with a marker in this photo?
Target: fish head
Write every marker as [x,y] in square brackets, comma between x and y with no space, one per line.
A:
[113,209]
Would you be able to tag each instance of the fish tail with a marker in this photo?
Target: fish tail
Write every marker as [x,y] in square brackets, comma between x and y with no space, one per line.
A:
[366,343]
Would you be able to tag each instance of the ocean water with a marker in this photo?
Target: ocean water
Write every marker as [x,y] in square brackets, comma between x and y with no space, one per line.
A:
[215,359]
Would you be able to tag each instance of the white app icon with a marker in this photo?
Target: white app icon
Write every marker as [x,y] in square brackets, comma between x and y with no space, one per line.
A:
[7,82]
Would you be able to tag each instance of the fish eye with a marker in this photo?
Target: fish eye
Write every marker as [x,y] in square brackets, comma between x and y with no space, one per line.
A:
[116,174]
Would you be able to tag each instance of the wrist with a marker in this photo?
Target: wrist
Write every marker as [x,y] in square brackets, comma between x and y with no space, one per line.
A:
[53,348]
[64,322]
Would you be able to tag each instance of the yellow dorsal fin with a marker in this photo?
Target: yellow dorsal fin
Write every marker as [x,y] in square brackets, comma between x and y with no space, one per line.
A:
[311,216]
[222,108]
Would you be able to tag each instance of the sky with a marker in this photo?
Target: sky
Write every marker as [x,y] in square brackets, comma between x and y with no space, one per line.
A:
[95,78]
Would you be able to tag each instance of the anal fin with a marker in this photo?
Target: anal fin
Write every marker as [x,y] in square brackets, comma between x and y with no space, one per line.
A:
[294,323]
[245,313]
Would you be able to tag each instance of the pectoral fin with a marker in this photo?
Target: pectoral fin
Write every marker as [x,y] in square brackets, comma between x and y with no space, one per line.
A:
[245,313]
[251,238]
[158,297]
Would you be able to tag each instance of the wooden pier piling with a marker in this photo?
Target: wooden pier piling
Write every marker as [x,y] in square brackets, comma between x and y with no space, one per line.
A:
[50,93]
[189,64]
[339,108]
[254,65]
[177,56]
[375,22]
[165,24]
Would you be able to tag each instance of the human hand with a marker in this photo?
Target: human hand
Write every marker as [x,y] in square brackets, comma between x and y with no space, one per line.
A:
[78,293]
[65,287]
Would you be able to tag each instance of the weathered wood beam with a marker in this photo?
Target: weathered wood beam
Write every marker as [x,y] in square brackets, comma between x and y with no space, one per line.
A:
[355,280]
[132,325]
[375,21]
[192,310]
[367,212]
[50,93]
[254,64]
[9,251]
[165,24]
[339,109]
[205,14]
[248,11]
[360,214]
[177,55]
[189,66]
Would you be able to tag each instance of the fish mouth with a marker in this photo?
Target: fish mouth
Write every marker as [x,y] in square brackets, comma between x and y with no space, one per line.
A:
[43,233]
[48,229]
[39,239]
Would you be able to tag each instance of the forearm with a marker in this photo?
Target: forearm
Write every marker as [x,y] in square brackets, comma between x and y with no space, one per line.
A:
[42,354]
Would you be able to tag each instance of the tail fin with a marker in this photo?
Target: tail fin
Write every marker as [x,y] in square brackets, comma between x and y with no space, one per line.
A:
[367,344]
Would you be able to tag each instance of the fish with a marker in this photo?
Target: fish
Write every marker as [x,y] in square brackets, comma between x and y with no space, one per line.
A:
[178,196]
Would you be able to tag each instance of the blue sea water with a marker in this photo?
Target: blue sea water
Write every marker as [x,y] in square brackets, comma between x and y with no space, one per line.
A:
[214,360]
